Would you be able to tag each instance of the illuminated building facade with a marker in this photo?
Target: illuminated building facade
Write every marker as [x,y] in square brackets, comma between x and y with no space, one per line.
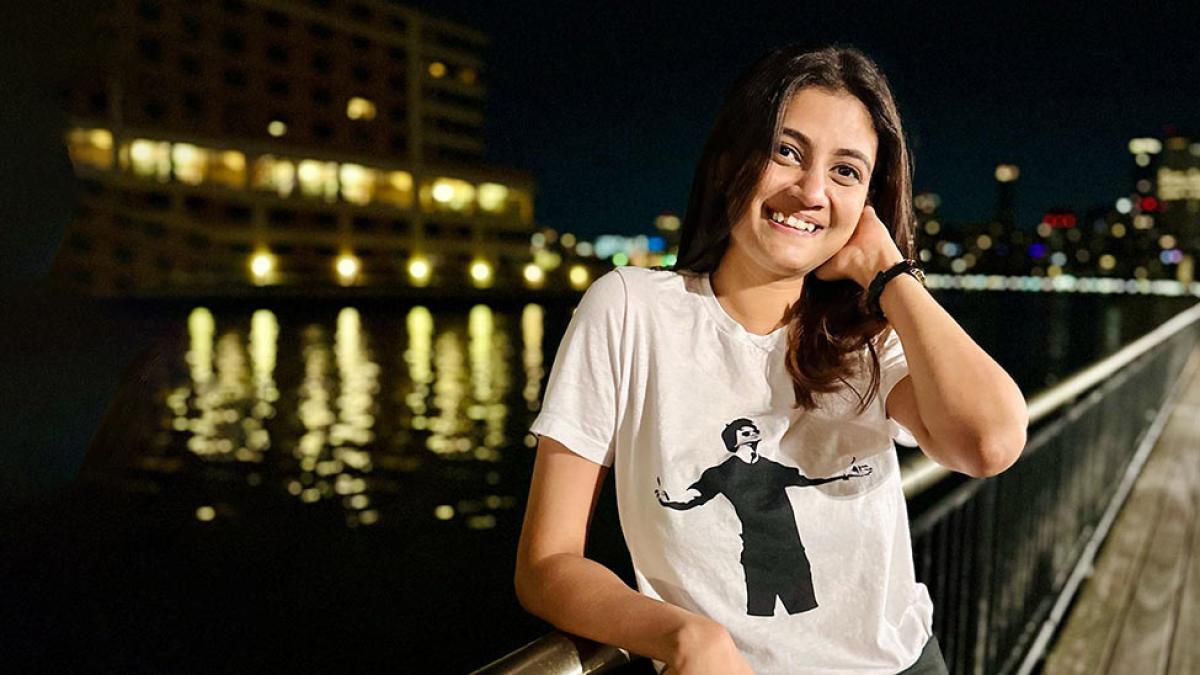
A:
[307,143]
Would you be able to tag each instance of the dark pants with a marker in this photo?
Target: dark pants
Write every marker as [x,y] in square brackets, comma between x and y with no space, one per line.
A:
[786,574]
[930,662]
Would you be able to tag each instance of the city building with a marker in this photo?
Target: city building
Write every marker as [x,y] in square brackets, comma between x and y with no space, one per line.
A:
[227,145]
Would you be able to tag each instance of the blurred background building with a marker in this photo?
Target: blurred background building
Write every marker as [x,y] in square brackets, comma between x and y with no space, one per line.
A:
[243,145]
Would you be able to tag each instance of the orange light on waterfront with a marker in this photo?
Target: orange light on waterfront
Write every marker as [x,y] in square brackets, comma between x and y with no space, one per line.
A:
[347,268]
[262,264]
[481,273]
[578,277]
[419,270]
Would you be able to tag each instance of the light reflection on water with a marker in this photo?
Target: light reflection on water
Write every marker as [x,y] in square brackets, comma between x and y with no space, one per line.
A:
[340,430]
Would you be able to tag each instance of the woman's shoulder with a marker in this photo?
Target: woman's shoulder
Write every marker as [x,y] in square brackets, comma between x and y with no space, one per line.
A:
[633,286]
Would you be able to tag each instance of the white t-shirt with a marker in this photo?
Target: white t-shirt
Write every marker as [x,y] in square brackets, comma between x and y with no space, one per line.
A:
[808,575]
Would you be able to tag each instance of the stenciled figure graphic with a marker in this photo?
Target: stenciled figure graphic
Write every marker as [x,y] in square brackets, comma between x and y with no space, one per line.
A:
[772,557]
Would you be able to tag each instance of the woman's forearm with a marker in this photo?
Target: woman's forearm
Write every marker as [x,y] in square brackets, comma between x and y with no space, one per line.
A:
[968,403]
[584,598]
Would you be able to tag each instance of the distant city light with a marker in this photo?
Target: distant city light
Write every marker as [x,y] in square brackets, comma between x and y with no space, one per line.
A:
[984,242]
[1007,173]
[584,248]
[667,222]
[1037,250]
[1149,204]
[578,277]
[1166,241]
[567,240]
[1058,258]
[1107,261]
[1118,230]
[276,128]
[1151,146]
[1142,159]
[620,259]
[927,202]
[205,514]
[1044,229]
[933,227]
[655,244]
[467,75]
[1143,186]
[437,69]
[1124,205]
[537,239]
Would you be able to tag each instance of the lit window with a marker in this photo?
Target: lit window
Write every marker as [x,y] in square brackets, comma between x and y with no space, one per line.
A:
[358,183]
[318,179]
[274,175]
[448,194]
[147,159]
[493,197]
[396,189]
[437,69]
[358,108]
[90,147]
[189,163]
[227,168]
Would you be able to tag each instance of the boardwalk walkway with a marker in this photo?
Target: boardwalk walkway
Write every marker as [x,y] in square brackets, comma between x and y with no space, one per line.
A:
[1139,612]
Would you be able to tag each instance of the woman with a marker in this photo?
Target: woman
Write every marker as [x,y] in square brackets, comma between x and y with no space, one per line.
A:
[773,367]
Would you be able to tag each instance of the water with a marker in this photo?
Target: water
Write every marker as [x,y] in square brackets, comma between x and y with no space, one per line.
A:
[338,487]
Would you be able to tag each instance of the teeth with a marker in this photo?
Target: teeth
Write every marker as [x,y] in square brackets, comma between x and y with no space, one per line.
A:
[792,221]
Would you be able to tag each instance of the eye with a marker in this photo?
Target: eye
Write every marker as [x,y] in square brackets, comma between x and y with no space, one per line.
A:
[788,148]
[853,172]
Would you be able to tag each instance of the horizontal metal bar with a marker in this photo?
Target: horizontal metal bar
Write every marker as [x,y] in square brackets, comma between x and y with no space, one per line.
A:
[921,473]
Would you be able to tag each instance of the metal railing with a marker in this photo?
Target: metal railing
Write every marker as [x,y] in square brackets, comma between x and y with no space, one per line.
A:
[1003,556]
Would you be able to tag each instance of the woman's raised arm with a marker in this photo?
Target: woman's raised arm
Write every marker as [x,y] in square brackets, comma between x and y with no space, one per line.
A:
[556,582]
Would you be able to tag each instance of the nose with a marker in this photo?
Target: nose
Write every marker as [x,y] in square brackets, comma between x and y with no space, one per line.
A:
[810,189]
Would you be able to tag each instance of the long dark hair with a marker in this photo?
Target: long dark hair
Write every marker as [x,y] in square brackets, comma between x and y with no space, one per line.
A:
[827,326]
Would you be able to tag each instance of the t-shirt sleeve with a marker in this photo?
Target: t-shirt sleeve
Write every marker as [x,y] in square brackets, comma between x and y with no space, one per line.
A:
[579,407]
[893,367]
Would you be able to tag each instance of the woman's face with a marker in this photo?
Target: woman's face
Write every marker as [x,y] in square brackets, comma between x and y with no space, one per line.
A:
[816,179]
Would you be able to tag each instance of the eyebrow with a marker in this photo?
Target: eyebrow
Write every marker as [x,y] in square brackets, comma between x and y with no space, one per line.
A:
[846,152]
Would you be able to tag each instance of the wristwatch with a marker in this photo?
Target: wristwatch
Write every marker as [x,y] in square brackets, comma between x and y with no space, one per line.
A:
[906,266]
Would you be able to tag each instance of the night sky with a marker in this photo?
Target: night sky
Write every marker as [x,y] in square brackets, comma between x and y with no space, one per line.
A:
[608,103]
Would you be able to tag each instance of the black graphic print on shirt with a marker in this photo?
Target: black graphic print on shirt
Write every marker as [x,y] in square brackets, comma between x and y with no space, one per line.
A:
[773,556]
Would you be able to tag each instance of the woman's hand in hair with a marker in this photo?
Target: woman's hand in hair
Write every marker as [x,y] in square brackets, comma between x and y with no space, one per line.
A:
[869,250]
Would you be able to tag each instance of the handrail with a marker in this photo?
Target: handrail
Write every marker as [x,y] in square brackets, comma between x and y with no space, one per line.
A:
[920,473]
[558,653]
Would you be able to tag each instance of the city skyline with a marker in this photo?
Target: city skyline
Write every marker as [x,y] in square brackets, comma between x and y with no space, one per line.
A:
[1057,93]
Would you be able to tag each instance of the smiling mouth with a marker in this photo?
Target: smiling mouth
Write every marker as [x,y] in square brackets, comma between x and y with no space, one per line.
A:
[791,222]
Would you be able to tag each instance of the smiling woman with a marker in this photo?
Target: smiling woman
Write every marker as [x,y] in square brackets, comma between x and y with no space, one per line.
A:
[774,366]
